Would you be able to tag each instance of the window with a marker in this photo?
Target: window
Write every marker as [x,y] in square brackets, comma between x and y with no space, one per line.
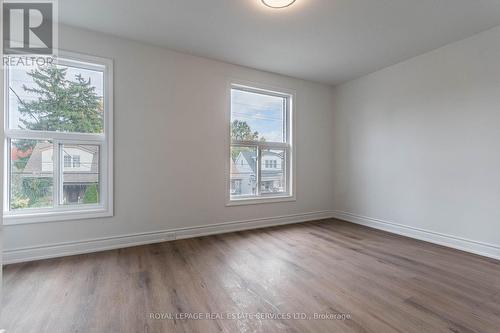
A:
[270,164]
[236,186]
[58,131]
[81,179]
[67,161]
[76,161]
[261,150]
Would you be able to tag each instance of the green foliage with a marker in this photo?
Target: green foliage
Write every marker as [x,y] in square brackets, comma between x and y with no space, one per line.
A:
[235,151]
[18,198]
[242,132]
[19,203]
[24,147]
[91,194]
[37,190]
[20,163]
[62,104]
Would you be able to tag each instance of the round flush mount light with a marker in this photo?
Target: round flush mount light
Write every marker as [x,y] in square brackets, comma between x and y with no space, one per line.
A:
[278,3]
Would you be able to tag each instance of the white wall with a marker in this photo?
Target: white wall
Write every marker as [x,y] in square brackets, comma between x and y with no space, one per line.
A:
[415,144]
[170,145]
[1,179]
[418,144]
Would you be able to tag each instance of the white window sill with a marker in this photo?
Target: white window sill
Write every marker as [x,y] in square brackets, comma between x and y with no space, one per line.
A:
[259,200]
[55,216]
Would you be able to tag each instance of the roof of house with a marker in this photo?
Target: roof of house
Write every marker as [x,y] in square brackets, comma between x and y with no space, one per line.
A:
[250,158]
[33,167]
[234,167]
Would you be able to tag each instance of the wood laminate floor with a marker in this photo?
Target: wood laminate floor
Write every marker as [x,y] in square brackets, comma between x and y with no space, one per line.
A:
[358,279]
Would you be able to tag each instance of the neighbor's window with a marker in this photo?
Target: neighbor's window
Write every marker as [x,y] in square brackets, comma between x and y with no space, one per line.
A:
[58,134]
[67,161]
[260,156]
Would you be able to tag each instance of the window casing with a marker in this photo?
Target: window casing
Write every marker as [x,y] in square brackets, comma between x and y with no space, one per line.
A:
[262,162]
[76,184]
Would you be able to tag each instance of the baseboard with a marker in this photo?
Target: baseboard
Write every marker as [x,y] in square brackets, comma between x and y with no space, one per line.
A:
[480,248]
[11,256]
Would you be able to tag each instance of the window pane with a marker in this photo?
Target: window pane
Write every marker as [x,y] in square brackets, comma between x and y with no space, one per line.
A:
[256,116]
[243,171]
[56,98]
[272,178]
[31,174]
[81,174]
[67,161]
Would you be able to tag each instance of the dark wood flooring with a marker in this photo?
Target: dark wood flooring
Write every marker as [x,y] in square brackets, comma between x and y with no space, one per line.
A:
[359,279]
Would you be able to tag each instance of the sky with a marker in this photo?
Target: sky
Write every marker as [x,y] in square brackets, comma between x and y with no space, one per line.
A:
[263,113]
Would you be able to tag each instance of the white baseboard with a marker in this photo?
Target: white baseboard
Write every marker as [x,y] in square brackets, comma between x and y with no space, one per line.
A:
[17,255]
[480,248]
[11,256]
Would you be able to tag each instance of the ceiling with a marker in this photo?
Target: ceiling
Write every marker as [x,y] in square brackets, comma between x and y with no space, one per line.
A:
[329,41]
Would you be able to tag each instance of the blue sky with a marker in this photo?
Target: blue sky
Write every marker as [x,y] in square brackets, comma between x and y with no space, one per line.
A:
[263,113]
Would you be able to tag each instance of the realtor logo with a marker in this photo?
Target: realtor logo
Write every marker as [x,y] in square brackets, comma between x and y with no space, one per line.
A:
[28,27]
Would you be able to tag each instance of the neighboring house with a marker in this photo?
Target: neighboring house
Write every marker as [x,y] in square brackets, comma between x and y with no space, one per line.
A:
[244,173]
[81,163]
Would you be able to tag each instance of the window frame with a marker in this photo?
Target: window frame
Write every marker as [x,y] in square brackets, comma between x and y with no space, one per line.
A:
[288,146]
[59,211]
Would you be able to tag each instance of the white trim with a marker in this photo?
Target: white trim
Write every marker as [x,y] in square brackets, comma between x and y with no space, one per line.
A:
[262,145]
[104,141]
[43,135]
[108,243]
[289,146]
[259,200]
[463,244]
[62,215]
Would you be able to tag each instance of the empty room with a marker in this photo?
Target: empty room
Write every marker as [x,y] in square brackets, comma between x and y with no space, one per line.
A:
[250,166]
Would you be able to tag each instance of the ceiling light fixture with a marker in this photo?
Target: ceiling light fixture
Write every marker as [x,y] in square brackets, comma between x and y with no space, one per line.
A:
[278,3]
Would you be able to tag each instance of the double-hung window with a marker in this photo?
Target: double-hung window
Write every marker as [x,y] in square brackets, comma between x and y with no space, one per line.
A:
[58,139]
[261,145]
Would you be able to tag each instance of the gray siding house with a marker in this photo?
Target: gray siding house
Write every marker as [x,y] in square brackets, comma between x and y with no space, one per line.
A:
[244,173]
